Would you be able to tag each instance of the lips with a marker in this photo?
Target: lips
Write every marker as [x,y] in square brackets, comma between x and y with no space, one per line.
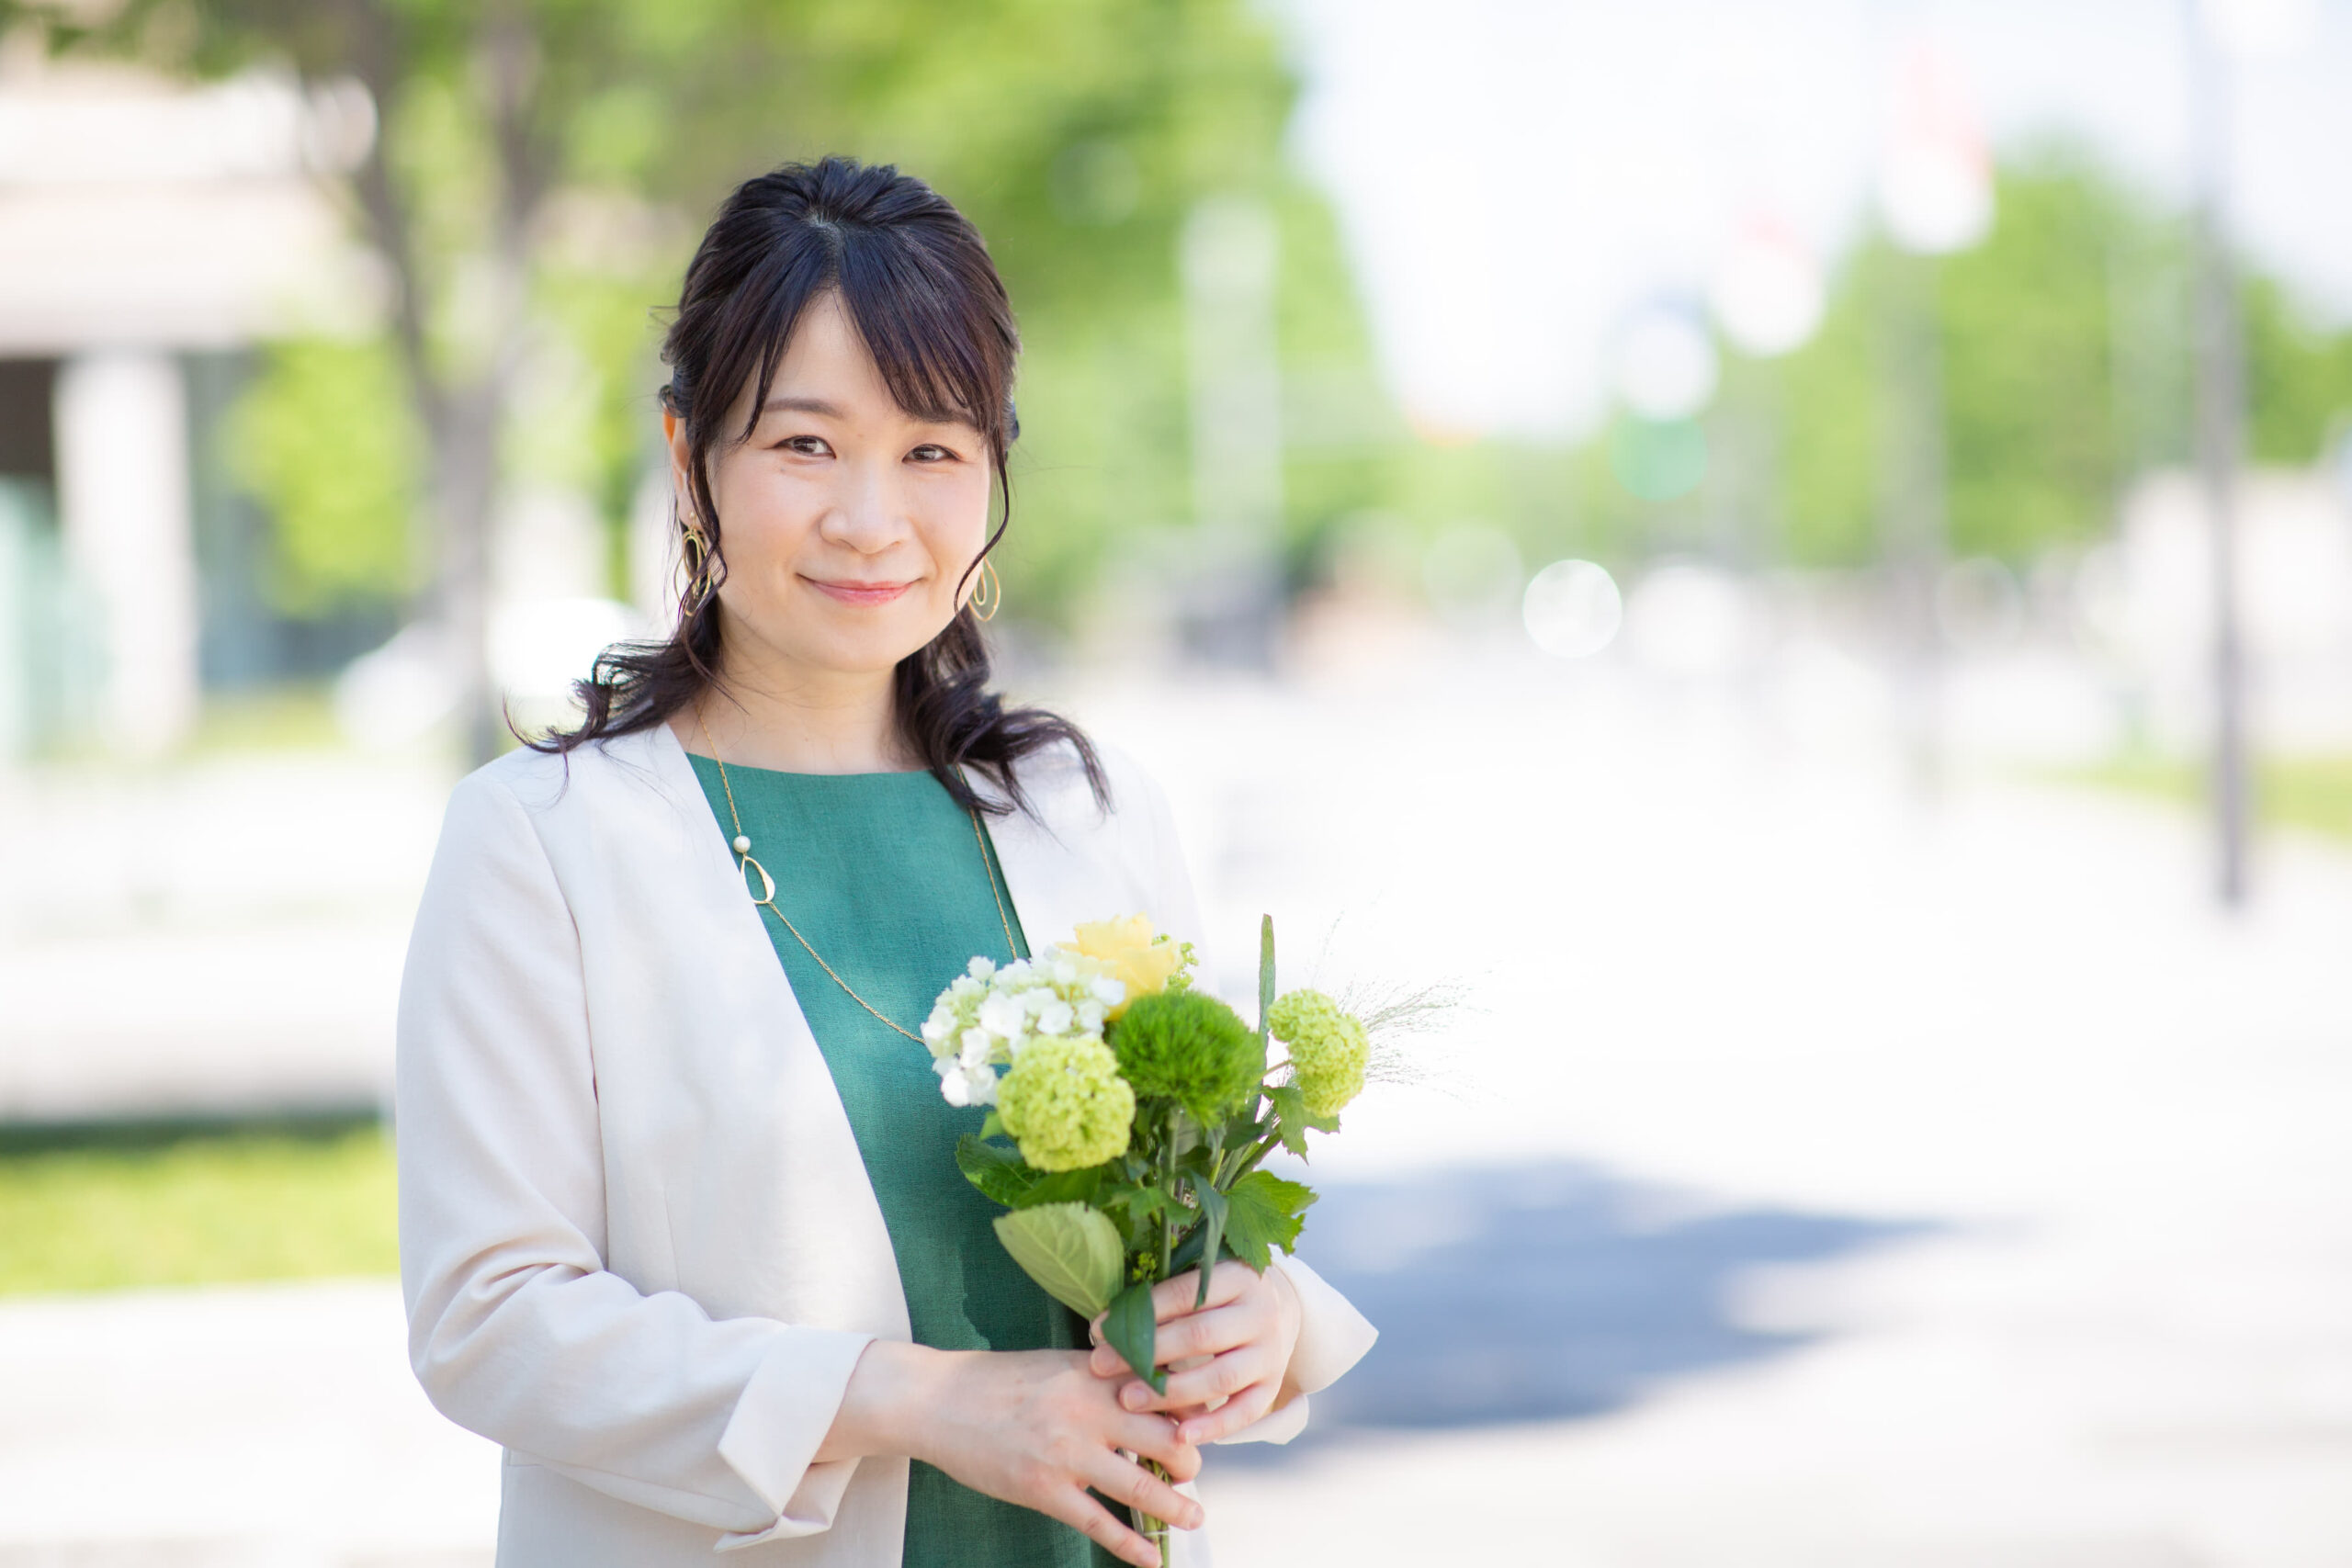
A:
[851,593]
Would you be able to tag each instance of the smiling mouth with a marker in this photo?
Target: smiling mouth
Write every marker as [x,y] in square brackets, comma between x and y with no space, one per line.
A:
[859,593]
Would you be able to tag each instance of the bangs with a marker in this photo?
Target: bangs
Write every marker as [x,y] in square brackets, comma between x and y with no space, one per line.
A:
[940,333]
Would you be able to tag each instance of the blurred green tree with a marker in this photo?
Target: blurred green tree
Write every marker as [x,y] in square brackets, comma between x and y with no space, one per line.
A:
[2298,376]
[325,438]
[2064,346]
[543,166]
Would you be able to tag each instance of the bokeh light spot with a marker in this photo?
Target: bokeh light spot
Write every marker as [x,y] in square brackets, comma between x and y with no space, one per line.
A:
[1659,460]
[1572,609]
[1472,574]
[1666,363]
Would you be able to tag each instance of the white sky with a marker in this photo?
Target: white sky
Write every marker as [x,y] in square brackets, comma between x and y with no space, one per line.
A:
[1514,174]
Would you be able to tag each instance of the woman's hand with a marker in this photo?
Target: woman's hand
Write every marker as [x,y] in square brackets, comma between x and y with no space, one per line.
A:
[1032,1427]
[1241,1341]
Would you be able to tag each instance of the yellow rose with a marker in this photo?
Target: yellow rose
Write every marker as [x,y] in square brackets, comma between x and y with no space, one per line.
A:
[1134,954]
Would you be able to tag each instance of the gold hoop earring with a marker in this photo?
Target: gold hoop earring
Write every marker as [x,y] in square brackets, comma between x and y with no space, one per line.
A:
[701,583]
[989,597]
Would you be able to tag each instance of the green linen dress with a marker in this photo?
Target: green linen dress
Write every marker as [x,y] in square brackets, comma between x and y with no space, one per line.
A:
[884,875]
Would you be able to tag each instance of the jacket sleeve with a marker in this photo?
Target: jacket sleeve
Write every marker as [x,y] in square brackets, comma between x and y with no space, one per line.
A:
[517,1328]
[1332,1335]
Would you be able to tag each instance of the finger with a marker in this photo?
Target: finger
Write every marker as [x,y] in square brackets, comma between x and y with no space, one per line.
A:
[1237,1300]
[1139,1398]
[1248,1405]
[1219,1379]
[1136,1395]
[1154,1438]
[1092,1520]
[1214,1331]
[1106,1362]
[1131,1484]
[1174,1298]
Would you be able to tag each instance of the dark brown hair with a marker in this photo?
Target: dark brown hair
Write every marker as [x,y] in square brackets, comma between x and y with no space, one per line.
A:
[916,280]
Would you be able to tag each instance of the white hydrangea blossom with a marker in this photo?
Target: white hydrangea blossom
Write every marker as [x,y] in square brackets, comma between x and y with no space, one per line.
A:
[992,1012]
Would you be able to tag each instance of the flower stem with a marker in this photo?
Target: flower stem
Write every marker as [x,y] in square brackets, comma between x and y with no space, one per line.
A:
[1167,1220]
[1151,1529]
[1253,1156]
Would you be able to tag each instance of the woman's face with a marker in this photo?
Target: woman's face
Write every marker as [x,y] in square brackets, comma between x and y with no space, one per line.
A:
[846,522]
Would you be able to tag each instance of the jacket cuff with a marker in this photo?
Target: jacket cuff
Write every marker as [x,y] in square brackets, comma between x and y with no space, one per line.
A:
[786,1409]
[1278,1426]
[1332,1335]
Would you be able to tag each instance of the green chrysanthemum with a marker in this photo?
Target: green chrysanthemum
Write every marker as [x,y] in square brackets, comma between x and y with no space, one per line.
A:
[1327,1049]
[1191,1048]
[1065,1105]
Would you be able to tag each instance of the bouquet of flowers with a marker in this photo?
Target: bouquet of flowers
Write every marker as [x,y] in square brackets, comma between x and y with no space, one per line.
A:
[1130,1114]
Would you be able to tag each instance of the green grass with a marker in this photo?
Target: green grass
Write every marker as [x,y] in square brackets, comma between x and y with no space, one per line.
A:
[2310,792]
[287,717]
[292,717]
[108,1208]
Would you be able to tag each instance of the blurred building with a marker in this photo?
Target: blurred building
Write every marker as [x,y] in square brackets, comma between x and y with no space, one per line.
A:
[150,233]
[2151,605]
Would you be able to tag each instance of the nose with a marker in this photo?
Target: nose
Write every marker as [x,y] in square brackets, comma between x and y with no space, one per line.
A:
[868,513]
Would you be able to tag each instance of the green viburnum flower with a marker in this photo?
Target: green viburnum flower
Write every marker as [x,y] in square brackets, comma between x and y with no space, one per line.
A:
[1191,1048]
[1327,1049]
[1065,1105]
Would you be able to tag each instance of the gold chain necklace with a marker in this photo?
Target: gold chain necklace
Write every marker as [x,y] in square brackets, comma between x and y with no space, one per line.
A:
[745,864]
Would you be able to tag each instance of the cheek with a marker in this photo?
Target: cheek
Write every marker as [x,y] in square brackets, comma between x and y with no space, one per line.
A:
[956,520]
[764,519]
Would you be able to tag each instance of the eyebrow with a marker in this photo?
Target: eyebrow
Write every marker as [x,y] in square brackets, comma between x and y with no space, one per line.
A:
[802,405]
[819,407]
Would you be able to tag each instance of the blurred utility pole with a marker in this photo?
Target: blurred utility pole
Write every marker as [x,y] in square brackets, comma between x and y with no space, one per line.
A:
[1915,518]
[1230,262]
[1936,190]
[2221,433]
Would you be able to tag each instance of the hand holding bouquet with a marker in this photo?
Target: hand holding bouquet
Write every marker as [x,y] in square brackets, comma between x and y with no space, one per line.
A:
[1139,1111]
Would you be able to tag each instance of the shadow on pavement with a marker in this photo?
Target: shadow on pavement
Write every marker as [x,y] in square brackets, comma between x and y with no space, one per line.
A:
[1541,1293]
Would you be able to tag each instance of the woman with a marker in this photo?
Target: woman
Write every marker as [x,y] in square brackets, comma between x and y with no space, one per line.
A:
[681,1226]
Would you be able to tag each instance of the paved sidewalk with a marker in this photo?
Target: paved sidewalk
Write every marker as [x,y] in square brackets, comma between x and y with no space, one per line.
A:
[223,937]
[263,1426]
[2083,1138]
[1738,969]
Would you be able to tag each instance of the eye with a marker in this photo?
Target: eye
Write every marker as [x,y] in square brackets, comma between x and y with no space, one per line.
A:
[932,452]
[804,446]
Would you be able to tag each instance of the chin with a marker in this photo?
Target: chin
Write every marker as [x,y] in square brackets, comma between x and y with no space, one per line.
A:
[871,650]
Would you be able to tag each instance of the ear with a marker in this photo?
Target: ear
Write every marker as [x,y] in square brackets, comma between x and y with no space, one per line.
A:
[673,437]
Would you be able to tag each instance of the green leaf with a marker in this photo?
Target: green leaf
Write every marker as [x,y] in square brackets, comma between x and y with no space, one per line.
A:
[999,1172]
[1290,1116]
[1063,1187]
[1262,1211]
[1141,1202]
[1213,1211]
[1265,978]
[1188,1251]
[1071,1251]
[992,1126]
[1132,1328]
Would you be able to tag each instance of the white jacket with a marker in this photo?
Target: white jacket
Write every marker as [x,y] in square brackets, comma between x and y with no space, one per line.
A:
[638,1244]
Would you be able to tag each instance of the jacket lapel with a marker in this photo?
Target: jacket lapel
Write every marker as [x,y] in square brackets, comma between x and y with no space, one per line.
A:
[1045,870]
[814,1166]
